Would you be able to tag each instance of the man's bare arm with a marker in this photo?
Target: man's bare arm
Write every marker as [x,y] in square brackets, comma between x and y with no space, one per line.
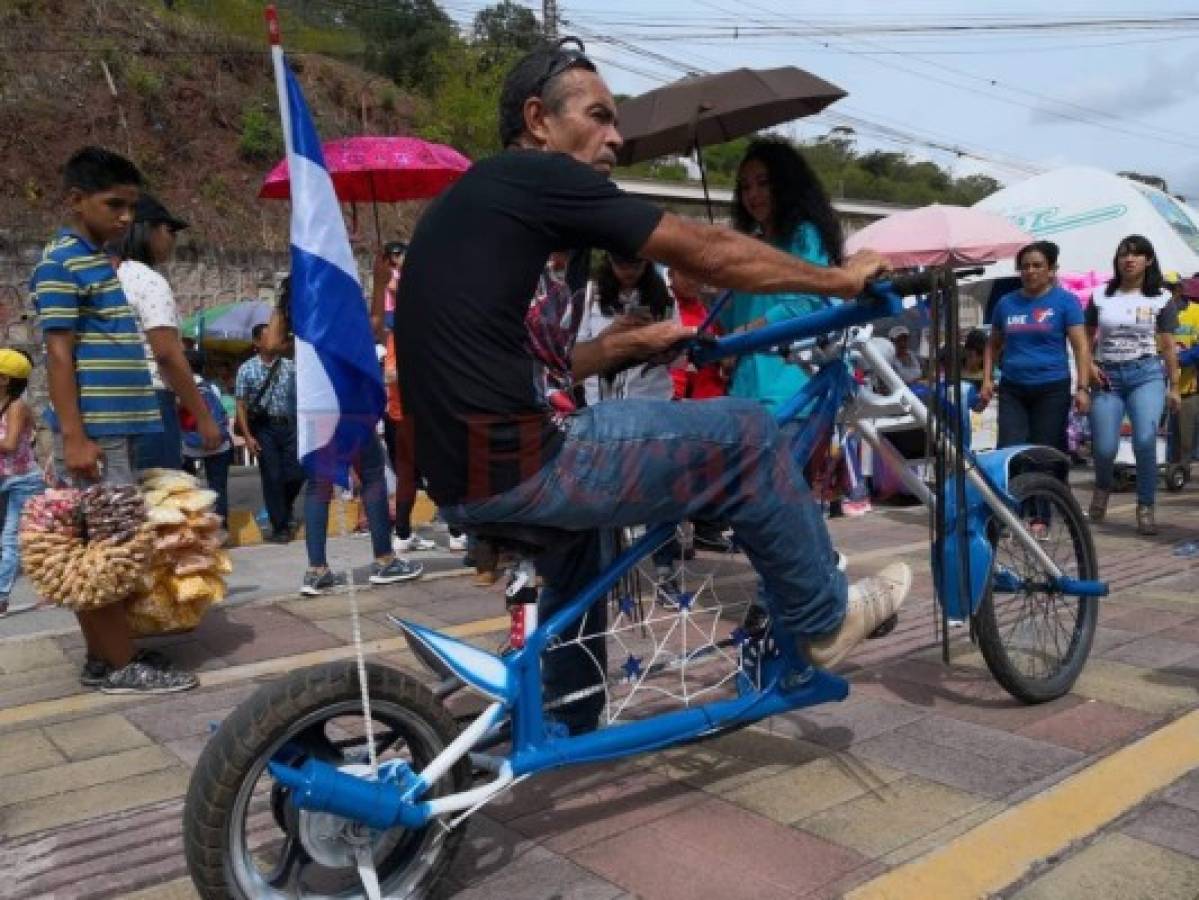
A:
[618,346]
[729,259]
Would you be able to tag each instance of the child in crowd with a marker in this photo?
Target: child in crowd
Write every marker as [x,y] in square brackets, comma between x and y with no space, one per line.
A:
[20,475]
[216,462]
[99,385]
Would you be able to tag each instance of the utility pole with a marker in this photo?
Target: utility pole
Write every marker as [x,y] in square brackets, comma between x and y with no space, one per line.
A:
[549,18]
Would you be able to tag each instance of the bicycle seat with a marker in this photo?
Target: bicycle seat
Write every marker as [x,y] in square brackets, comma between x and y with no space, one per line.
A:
[516,537]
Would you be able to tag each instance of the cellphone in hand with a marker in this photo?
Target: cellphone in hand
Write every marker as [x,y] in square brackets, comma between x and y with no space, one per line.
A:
[640,311]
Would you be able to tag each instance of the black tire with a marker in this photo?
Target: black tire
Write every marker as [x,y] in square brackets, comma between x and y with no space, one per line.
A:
[1176,478]
[292,715]
[1063,651]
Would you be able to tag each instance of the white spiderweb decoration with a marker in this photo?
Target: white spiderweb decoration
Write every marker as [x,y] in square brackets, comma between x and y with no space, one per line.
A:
[674,634]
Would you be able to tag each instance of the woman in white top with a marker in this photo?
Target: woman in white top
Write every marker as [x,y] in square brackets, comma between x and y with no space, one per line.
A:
[150,242]
[629,292]
[1134,319]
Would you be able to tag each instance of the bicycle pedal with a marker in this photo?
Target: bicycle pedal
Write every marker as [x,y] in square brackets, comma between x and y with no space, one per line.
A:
[757,621]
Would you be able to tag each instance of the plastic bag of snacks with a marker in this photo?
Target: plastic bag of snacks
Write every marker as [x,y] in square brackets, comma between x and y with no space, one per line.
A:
[186,563]
[86,548]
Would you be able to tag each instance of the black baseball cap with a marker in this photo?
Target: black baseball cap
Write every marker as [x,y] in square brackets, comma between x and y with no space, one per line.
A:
[149,209]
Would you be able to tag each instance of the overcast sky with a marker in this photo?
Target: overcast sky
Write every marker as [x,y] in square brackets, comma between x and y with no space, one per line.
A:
[1119,97]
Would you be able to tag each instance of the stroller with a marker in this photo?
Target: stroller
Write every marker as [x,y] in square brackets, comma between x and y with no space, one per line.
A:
[1175,472]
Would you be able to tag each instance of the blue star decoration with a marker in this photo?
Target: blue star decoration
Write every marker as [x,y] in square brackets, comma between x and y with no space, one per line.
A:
[684,600]
[740,637]
[632,667]
[626,605]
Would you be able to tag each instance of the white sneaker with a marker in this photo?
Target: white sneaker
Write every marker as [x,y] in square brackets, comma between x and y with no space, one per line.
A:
[872,601]
[413,542]
[458,543]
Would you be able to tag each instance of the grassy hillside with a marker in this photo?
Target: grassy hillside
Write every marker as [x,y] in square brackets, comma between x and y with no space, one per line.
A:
[186,93]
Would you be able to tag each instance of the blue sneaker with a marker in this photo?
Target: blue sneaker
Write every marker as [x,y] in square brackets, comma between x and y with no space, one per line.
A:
[396,570]
[317,583]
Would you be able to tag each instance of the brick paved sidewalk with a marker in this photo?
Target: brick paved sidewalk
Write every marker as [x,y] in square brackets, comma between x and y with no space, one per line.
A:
[806,805]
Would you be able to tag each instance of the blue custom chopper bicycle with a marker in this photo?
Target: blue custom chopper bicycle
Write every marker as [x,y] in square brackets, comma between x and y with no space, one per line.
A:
[321,786]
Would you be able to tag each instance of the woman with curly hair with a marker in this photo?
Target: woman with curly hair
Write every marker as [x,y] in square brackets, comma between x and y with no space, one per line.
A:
[779,198]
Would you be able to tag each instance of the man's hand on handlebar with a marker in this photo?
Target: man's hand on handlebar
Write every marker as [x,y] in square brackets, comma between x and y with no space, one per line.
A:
[863,266]
[660,342]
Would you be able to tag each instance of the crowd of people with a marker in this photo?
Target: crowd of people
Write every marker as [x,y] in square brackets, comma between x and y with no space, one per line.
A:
[1115,359]
[526,387]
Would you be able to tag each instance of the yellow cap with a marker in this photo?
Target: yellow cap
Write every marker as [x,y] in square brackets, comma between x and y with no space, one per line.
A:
[14,364]
[1172,277]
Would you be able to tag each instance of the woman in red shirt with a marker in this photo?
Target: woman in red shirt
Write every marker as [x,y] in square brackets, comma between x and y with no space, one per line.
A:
[691,383]
[703,383]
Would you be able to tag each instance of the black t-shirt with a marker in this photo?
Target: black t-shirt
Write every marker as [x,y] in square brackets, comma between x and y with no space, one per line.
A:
[467,373]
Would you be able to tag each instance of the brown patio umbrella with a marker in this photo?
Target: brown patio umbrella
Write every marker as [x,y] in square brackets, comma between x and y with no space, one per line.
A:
[711,109]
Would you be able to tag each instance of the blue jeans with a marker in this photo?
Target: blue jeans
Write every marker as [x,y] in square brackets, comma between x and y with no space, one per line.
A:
[161,449]
[1034,413]
[650,461]
[369,467]
[15,491]
[279,468]
[1138,389]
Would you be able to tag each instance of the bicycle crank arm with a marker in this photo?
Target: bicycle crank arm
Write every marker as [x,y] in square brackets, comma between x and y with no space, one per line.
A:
[1009,583]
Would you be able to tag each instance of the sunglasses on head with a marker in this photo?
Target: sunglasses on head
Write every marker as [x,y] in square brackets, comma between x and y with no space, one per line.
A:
[562,60]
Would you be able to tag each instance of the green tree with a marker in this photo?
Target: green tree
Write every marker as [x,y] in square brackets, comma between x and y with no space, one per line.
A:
[973,188]
[403,38]
[462,109]
[508,26]
[880,175]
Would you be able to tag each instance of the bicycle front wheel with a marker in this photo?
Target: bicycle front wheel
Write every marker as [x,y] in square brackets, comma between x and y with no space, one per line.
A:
[1036,640]
[244,839]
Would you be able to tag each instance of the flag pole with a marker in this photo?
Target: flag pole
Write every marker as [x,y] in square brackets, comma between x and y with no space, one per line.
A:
[276,40]
[366,872]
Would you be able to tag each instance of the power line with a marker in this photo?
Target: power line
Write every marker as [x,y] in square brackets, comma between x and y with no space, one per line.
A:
[1085,116]
[886,132]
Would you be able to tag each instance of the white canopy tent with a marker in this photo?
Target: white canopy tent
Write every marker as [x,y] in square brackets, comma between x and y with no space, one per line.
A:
[1087,211]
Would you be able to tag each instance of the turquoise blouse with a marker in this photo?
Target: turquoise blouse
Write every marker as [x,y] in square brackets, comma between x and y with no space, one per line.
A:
[767,377]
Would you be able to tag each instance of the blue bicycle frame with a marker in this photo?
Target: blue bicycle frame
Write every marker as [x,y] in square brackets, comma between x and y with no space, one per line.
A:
[401,797]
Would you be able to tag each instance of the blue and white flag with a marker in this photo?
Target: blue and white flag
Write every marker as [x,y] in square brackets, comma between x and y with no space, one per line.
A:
[339,385]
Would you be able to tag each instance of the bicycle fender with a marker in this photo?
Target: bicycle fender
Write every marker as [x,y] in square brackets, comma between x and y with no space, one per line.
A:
[998,467]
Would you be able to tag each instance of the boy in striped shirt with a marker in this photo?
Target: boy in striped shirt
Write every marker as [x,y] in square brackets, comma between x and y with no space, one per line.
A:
[99,385]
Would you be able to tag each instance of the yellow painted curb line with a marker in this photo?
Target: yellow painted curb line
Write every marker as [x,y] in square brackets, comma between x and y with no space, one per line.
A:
[998,852]
[80,704]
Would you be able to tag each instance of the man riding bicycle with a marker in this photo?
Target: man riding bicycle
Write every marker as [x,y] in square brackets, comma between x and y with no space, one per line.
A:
[479,363]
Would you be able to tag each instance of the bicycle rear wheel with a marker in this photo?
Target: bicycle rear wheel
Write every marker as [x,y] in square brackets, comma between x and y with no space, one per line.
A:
[1036,640]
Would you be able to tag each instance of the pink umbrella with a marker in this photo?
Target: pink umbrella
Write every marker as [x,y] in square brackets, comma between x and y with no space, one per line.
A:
[379,170]
[940,235]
